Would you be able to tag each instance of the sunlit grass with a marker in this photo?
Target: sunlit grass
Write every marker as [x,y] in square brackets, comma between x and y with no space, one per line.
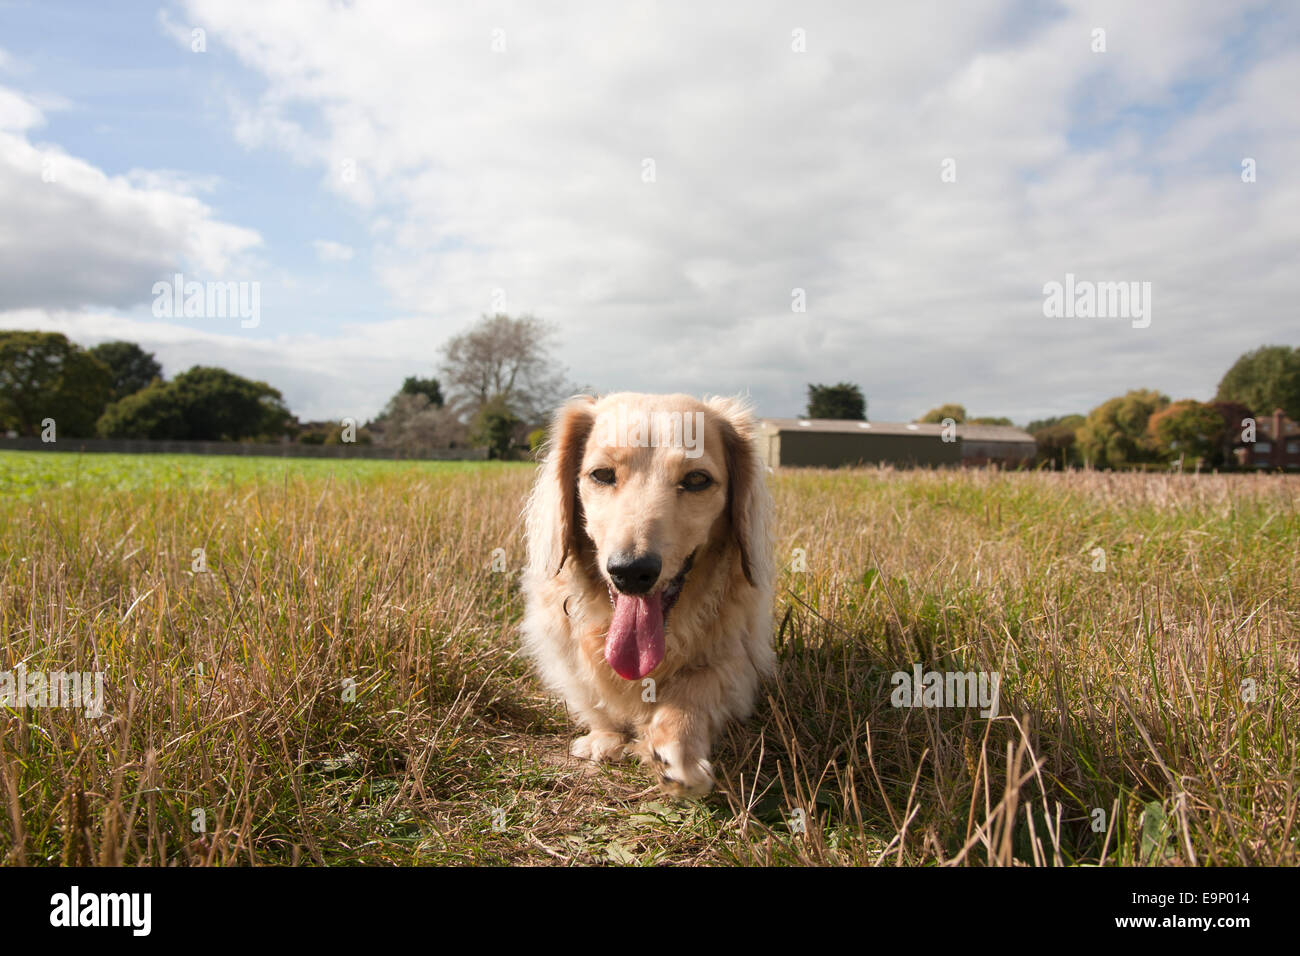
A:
[228,691]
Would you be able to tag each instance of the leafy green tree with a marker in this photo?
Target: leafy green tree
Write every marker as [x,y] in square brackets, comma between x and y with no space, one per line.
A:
[1233,415]
[222,406]
[43,375]
[935,416]
[494,426]
[1073,421]
[1056,438]
[1263,380]
[132,367]
[842,401]
[1057,444]
[154,412]
[202,404]
[427,387]
[1115,433]
[1189,428]
[989,420]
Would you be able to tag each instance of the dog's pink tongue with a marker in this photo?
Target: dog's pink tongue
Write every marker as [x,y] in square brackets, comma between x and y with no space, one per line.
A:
[635,644]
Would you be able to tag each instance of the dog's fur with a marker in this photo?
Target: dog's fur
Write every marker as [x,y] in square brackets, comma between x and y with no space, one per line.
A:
[718,634]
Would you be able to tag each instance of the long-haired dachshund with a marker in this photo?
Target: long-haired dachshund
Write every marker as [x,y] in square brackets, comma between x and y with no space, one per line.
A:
[649,578]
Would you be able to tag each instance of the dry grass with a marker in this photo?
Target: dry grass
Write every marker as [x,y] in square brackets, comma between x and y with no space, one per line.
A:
[1121,689]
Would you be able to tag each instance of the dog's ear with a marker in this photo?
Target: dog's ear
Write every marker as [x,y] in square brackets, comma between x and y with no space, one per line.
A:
[748,501]
[554,515]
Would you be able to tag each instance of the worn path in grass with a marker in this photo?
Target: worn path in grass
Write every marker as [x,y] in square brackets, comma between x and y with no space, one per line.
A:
[316,660]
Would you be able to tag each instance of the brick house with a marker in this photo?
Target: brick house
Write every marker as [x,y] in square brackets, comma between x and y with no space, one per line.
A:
[1276,446]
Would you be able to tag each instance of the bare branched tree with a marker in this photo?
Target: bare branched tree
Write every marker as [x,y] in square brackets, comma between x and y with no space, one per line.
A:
[506,358]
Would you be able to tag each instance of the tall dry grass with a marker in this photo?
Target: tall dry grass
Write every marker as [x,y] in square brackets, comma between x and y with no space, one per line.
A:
[343,685]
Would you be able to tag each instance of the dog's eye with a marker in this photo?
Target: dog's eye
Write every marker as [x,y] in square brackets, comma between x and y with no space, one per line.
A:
[697,481]
[602,476]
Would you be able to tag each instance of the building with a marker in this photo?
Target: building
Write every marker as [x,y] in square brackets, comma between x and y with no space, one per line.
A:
[832,443]
[996,444]
[1276,446]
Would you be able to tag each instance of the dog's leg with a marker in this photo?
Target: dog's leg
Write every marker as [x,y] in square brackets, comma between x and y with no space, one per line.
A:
[679,738]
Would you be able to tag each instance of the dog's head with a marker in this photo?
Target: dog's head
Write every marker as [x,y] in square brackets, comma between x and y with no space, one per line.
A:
[640,488]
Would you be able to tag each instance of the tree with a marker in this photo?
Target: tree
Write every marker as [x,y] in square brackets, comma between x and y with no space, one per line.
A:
[1074,421]
[1263,380]
[506,359]
[990,420]
[153,412]
[222,406]
[411,422]
[1056,444]
[952,410]
[1115,433]
[1189,428]
[1056,438]
[43,375]
[1234,415]
[842,401]
[202,404]
[427,387]
[131,366]
[494,427]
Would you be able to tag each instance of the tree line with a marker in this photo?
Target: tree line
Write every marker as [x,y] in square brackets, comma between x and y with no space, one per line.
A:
[1144,428]
[497,383]
[1140,428]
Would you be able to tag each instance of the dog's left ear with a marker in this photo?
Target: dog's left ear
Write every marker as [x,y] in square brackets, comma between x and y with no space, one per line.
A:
[748,501]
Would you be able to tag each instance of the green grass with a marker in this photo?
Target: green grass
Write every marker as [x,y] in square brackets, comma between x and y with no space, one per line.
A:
[30,472]
[1122,689]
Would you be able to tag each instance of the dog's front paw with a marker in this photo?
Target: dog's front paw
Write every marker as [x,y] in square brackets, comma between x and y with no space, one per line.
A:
[600,745]
[680,774]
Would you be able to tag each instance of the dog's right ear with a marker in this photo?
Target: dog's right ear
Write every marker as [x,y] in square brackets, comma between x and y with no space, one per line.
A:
[554,522]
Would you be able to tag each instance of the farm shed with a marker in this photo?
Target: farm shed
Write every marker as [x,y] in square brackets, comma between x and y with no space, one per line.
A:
[831,443]
[1000,444]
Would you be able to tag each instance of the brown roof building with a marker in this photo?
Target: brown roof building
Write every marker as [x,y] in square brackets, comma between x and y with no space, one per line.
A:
[833,443]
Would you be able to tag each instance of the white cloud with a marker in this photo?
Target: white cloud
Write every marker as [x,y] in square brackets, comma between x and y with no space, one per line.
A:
[521,171]
[72,235]
[328,251]
[17,112]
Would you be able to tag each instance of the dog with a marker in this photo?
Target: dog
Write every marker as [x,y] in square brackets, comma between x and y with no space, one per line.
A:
[648,587]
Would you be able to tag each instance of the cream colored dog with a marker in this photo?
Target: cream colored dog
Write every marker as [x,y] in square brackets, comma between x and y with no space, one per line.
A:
[649,578]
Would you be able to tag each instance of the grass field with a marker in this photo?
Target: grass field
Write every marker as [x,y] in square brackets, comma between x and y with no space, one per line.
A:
[1148,710]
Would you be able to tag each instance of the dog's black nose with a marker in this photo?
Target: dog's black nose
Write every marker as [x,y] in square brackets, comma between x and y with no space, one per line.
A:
[634,575]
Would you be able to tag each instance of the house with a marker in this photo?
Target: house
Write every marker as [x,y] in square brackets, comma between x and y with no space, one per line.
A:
[1276,446]
[832,443]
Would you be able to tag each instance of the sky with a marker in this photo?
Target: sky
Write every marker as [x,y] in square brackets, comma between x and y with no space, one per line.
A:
[713,198]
